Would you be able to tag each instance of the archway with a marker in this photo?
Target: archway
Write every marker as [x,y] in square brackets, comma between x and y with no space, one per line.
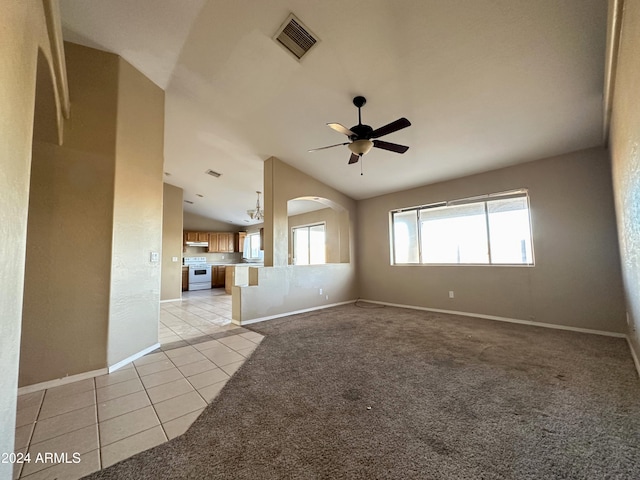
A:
[331,221]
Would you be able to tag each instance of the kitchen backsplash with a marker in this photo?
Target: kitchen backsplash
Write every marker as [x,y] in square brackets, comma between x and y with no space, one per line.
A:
[213,257]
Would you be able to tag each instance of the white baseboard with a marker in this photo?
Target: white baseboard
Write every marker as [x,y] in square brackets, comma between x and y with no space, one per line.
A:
[503,319]
[171,300]
[36,387]
[133,357]
[633,354]
[280,315]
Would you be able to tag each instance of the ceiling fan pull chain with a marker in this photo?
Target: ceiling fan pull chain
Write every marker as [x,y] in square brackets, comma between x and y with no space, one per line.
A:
[361,162]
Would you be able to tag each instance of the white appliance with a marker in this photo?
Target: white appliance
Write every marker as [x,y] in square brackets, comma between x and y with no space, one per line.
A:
[199,273]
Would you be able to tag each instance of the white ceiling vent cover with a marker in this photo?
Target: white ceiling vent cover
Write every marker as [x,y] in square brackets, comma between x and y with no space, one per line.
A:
[295,37]
[213,173]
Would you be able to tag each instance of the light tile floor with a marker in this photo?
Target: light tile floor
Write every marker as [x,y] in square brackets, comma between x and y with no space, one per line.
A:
[154,399]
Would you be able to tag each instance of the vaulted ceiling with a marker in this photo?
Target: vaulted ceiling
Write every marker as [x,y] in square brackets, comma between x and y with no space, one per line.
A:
[485,84]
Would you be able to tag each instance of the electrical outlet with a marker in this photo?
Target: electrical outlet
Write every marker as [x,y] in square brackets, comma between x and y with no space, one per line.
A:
[222,257]
[451,294]
[174,259]
[154,257]
[327,297]
[320,293]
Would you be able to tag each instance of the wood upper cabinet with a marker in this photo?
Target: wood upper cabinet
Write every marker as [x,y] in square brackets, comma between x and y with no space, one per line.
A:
[230,242]
[213,243]
[196,236]
[240,236]
[221,242]
[218,242]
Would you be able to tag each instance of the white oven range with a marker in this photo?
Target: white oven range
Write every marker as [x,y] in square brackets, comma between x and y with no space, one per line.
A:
[199,273]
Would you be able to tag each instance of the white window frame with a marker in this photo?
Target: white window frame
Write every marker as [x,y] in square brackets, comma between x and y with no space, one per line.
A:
[519,193]
[250,237]
[293,240]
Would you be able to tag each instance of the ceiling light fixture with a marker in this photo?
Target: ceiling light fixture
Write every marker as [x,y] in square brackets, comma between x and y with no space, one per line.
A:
[360,147]
[258,213]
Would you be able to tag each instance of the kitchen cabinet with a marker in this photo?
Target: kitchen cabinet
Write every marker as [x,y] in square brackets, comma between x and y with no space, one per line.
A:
[225,242]
[217,242]
[240,236]
[185,279]
[221,242]
[218,276]
[231,242]
[196,236]
[213,243]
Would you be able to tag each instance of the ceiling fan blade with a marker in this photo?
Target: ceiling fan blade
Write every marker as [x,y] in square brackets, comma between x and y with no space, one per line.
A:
[354,158]
[330,146]
[390,128]
[392,147]
[341,129]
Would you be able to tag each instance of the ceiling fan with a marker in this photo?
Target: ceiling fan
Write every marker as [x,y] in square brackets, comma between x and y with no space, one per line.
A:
[363,138]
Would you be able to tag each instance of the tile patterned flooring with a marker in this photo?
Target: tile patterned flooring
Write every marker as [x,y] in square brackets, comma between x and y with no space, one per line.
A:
[150,401]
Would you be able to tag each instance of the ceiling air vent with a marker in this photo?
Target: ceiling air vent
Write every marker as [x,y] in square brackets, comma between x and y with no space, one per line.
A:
[189,202]
[213,173]
[294,37]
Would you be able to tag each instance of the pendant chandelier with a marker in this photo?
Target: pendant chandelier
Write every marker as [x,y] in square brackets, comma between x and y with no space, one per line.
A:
[258,213]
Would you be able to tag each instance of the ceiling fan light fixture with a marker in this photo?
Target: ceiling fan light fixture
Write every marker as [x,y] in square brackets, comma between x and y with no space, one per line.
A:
[361,147]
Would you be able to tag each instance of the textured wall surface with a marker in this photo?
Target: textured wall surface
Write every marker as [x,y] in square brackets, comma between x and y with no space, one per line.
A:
[171,287]
[281,288]
[198,223]
[22,32]
[134,307]
[576,279]
[282,183]
[66,296]
[625,159]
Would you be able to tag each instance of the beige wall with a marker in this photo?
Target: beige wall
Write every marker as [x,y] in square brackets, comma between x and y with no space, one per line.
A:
[171,286]
[134,305]
[95,215]
[282,183]
[22,33]
[625,156]
[332,231]
[279,288]
[198,223]
[66,296]
[275,291]
[576,279]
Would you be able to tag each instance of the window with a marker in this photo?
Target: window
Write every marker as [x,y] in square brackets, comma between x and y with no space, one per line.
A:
[492,229]
[252,247]
[309,245]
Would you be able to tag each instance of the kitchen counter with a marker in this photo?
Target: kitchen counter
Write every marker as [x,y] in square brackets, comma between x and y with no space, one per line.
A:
[238,275]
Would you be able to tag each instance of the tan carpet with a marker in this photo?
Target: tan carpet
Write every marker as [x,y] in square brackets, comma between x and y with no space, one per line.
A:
[390,393]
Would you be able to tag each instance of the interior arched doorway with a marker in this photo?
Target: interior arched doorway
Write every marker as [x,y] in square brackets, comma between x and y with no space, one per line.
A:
[322,224]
